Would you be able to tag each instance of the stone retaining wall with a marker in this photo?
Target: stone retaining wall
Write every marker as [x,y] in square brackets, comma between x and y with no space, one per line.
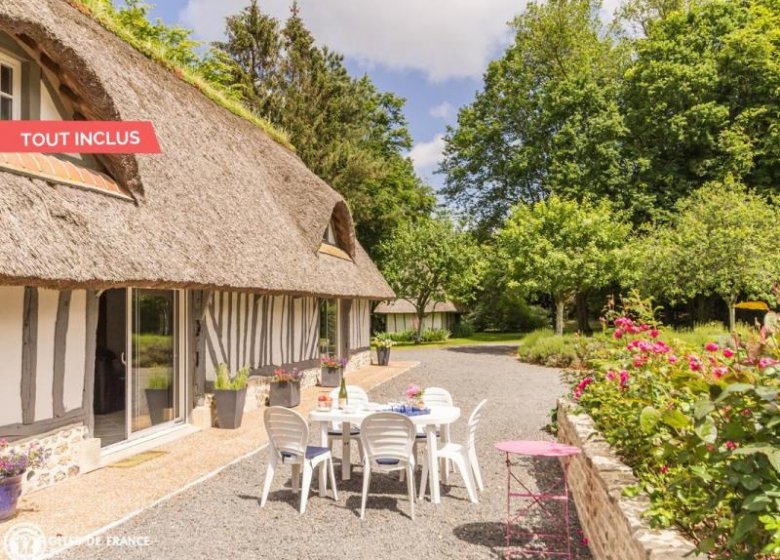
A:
[612,522]
[62,451]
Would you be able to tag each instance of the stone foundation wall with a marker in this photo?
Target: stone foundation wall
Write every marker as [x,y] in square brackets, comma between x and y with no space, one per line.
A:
[359,360]
[62,450]
[612,522]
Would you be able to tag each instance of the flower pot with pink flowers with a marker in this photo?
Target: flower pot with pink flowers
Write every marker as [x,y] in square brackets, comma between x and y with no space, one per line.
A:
[414,396]
[286,388]
[332,370]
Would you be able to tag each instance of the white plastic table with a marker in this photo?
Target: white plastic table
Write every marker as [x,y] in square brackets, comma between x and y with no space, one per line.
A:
[439,416]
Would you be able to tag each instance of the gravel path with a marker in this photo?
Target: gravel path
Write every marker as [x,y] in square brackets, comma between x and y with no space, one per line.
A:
[221,518]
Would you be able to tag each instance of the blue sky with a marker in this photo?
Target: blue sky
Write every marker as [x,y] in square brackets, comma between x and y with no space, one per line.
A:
[432,53]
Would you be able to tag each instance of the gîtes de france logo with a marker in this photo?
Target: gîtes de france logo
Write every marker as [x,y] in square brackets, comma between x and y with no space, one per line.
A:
[24,541]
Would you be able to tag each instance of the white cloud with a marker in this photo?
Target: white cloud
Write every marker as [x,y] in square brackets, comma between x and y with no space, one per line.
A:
[441,38]
[442,111]
[427,155]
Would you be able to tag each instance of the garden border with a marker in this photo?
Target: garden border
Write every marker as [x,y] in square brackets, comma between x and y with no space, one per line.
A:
[612,522]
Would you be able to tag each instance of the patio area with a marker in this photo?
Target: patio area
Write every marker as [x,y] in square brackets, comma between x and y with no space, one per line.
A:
[222,517]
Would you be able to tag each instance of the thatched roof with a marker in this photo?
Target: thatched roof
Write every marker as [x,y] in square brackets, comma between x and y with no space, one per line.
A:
[223,207]
[405,306]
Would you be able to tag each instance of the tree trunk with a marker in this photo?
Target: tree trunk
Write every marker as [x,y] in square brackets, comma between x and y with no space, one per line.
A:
[732,315]
[420,319]
[583,324]
[559,308]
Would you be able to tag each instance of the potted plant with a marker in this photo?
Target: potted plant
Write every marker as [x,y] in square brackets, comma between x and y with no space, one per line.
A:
[158,394]
[14,463]
[286,388]
[332,370]
[230,396]
[382,342]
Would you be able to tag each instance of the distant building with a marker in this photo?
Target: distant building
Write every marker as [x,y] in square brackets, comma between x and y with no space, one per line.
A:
[400,315]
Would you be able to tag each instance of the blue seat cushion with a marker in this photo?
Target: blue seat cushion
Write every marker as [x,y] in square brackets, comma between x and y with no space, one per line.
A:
[312,451]
[354,431]
[425,435]
[387,461]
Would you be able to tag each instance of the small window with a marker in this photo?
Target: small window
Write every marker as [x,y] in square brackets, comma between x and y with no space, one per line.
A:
[329,237]
[10,88]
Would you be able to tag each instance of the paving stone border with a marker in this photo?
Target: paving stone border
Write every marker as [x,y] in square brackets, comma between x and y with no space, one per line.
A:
[612,522]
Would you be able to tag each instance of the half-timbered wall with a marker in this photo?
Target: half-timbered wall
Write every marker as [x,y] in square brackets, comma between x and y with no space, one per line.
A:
[45,353]
[260,331]
[398,322]
[360,325]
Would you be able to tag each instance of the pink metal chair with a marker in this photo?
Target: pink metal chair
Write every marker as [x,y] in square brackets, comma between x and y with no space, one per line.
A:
[559,492]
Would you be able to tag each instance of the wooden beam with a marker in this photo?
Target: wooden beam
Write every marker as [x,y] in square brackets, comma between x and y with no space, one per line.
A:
[60,345]
[29,353]
[88,397]
[19,431]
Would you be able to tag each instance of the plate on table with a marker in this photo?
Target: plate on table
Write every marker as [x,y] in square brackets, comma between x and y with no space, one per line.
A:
[375,406]
[350,408]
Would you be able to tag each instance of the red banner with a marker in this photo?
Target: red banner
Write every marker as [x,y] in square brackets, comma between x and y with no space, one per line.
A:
[79,137]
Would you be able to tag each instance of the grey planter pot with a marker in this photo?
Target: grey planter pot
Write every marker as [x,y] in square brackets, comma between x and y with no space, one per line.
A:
[158,400]
[331,377]
[285,394]
[383,356]
[230,408]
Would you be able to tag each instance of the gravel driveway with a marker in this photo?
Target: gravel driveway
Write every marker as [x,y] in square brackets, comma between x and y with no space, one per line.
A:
[222,519]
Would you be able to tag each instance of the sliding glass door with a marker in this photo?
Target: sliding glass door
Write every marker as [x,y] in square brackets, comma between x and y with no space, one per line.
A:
[154,387]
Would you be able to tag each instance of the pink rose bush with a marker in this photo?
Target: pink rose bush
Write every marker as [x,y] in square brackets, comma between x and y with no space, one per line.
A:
[699,426]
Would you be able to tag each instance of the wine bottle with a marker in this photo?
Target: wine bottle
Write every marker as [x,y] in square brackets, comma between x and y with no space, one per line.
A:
[343,399]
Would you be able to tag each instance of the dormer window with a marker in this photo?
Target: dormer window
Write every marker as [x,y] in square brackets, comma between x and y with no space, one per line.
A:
[10,88]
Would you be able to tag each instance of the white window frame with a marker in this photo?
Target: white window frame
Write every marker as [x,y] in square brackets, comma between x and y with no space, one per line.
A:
[16,83]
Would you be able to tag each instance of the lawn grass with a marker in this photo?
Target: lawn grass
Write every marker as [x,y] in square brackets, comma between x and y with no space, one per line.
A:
[475,339]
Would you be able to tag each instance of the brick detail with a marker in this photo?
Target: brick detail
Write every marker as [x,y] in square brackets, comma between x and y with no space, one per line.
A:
[612,522]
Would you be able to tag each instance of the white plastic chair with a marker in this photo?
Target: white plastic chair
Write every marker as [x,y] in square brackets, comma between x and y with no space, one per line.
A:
[355,395]
[463,456]
[436,396]
[387,439]
[288,433]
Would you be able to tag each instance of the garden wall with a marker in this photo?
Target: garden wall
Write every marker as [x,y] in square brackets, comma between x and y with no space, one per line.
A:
[611,521]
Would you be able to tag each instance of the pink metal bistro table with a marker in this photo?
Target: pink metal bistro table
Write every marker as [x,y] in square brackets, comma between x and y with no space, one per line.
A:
[558,492]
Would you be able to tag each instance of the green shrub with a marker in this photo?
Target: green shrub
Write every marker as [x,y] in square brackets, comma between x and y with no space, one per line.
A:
[543,347]
[435,335]
[225,383]
[402,336]
[462,329]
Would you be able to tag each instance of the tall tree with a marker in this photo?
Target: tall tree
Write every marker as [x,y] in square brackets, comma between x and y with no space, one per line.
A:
[559,248]
[428,262]
[702,99]
[344,129]
[547,121]
[721,242]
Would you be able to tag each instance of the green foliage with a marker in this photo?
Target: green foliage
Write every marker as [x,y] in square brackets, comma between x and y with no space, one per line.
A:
[425,336]
[544,347]
[701,99]
[698,425]
[224,382]
[719,243]
[173,48]
[345,130]
[382,340]
[547,121]
[560,247]
[160,378]
[430,261]
[463,329]
[154,350]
